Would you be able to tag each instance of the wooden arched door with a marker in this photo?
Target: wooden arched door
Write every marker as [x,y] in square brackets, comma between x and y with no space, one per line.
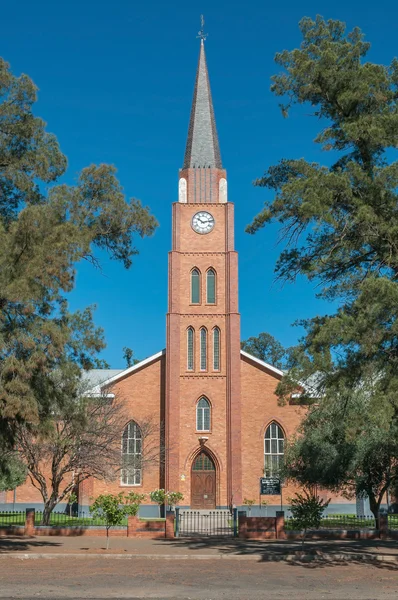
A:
[203,482]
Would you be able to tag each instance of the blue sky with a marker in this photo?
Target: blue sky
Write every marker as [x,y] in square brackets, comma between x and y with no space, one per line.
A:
[116,82]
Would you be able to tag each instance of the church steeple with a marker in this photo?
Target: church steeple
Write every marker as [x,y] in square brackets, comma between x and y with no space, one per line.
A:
[202,149]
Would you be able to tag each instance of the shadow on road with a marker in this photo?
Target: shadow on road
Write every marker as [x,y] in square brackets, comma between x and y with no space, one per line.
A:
[15,543]
[312,556]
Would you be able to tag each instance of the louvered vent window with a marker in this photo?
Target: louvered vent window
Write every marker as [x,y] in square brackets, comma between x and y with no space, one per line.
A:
[216,349]
[190,349]
[203,349]
[211,286]
[195,286]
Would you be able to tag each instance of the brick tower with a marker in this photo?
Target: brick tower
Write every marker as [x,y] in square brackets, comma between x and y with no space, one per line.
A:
[203,391]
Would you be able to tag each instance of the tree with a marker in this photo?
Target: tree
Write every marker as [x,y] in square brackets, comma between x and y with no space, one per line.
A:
[114,508]
[128,355]
[307,510]
[45,231]
[12,471]
[267,348]
[80,437]
[347,447]
[340,225]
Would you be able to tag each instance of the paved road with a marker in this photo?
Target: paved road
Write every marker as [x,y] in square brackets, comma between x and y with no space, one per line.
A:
[138,578]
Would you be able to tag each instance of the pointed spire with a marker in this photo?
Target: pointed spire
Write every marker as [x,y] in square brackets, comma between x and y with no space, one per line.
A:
[202,148]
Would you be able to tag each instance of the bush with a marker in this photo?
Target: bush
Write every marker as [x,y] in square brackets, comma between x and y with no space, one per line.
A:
[307,510]
[113,508]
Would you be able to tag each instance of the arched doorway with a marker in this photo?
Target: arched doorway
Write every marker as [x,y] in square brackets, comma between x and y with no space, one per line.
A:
[203,482]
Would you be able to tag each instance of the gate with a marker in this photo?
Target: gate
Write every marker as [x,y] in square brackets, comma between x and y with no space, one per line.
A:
[205,523]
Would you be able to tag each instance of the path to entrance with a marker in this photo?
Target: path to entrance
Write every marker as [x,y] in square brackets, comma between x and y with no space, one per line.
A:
[193,579]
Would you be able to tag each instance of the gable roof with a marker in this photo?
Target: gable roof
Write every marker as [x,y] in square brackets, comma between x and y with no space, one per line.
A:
[121,374]
[262,363]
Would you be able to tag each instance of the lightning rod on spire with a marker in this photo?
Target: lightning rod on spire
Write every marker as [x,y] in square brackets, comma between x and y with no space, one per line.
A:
[201,33]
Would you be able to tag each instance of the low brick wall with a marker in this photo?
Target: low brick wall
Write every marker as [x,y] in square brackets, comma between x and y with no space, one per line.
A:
[136,527]
[262,528]
[256,528]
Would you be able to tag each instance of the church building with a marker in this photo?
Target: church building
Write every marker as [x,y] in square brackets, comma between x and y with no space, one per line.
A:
[214,404]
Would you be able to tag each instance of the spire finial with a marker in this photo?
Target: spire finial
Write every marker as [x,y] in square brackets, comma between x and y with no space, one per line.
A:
[201,33]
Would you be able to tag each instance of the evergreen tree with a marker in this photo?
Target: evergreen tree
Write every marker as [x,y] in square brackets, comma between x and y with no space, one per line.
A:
[45,230]
[340,223]
[267,348]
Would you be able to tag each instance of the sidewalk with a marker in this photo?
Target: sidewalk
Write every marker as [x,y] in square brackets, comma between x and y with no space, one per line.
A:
[205,548]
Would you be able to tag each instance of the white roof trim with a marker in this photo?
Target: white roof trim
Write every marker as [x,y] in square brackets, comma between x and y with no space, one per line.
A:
[262,363]
[97,389]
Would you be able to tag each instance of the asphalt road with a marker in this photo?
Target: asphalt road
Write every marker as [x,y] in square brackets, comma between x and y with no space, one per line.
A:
[137,578]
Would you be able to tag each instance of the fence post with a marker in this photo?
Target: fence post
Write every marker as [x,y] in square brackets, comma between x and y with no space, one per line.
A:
[177,522]
[280,525]
[383,524]
[235,517]
[29,521]
[169,526]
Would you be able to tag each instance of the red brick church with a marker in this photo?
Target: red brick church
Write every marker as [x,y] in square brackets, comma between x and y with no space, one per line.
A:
[224,428]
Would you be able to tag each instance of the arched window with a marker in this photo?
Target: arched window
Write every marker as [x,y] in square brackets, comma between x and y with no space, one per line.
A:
[132,454]
[203,415]
[211,287]
[190,348]
[216,349]
[203,349]
[274,441]
[195,286]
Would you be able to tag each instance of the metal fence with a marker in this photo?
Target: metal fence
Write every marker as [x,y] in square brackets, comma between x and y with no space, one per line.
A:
[392,521]
[12,517]
[337,522]
[57,519]
[196,523]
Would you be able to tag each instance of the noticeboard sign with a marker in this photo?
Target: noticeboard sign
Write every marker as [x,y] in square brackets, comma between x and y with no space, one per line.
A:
[270,486]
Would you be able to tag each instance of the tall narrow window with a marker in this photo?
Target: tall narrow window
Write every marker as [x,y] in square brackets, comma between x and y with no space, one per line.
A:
[211,287]
[203,349]
[131,473]
[195,286]
[274,441]
[190,348]
[203,415]
[216,349]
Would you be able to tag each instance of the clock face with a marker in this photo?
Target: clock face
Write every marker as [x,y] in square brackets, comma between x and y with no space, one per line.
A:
[202,222]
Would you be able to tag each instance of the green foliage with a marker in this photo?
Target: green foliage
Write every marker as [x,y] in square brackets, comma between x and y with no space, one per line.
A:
[248,502]
[267,348]
[346,446]
[72,498]
[113,508]
[340,225]
[128,355]
[45,231]
[158,496]
[307,510]
[174,498]
[13,472]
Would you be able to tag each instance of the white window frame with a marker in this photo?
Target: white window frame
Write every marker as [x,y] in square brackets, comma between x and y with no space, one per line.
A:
[125,478]
[200,414]
[269,469]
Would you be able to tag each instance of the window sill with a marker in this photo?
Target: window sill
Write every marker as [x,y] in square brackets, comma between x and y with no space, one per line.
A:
[130,484]
[203,431]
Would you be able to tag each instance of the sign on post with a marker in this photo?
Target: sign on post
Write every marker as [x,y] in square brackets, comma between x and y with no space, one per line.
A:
[270,486]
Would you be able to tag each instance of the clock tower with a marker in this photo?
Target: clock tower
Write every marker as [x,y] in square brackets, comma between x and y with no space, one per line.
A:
[203,389]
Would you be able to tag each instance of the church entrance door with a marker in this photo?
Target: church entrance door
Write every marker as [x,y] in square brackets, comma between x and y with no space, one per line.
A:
[203,483]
